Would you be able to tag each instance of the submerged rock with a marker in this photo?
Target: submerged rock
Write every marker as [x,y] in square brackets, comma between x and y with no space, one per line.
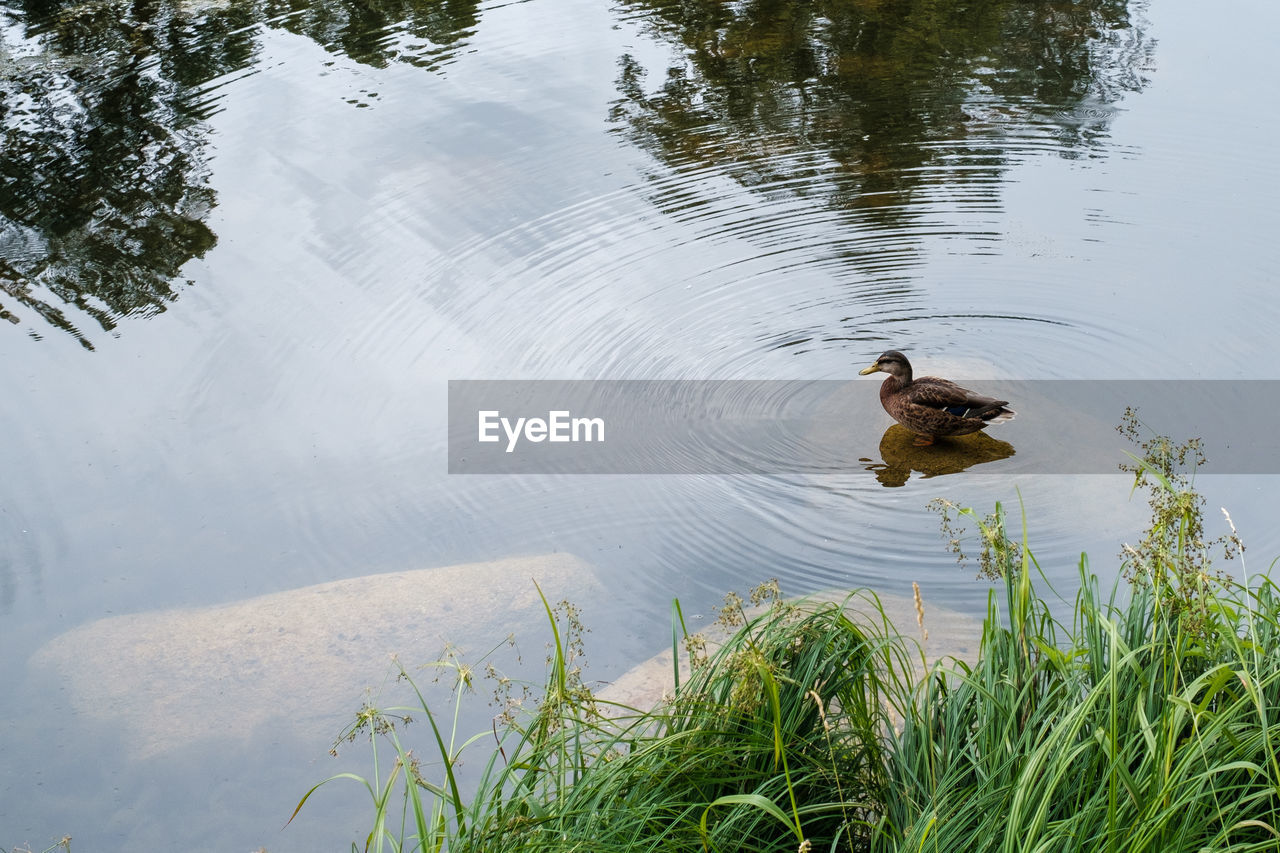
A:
[303,655]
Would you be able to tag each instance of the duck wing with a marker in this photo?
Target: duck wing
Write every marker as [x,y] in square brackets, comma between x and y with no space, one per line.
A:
[945,395]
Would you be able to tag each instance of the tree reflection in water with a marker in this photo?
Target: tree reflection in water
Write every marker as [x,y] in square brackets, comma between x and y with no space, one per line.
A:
[872,84]
[104,191]
[873,111]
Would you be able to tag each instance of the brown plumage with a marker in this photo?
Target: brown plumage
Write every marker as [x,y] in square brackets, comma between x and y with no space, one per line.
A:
[932,407]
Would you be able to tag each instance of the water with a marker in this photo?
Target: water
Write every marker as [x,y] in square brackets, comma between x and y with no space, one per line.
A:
[244,246]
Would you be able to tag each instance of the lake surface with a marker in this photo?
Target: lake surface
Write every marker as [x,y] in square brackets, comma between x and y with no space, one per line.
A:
[245,246]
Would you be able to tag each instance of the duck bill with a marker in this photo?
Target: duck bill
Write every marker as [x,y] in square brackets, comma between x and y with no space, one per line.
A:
[872,369]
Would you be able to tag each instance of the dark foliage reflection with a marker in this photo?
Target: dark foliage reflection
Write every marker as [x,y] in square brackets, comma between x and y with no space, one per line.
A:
[852,101]
[104,191]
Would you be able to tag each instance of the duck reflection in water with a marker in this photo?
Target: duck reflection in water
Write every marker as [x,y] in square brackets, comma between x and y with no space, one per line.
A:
[928,409]
[901,454]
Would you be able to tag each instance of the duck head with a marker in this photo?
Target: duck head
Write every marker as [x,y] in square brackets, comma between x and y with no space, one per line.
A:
[893,363]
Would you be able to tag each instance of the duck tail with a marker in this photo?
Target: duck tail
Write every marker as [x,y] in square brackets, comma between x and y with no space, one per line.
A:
[998,415]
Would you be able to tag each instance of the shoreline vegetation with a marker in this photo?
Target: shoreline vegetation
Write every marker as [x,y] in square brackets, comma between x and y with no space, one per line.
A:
[1148,720]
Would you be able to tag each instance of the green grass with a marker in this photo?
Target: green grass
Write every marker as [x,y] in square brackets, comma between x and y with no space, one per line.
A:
[1138,730]
[1150,721]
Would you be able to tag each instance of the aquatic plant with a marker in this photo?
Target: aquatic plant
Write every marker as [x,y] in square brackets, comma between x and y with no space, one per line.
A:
[1137,729]
[1150,722]
[63,843]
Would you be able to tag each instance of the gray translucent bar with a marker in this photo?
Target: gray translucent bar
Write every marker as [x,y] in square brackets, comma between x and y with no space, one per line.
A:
[831,426]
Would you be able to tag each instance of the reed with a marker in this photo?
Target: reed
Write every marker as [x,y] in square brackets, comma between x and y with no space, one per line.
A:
[1147,721]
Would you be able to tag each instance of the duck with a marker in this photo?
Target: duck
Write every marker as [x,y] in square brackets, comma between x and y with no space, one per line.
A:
[933,408]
